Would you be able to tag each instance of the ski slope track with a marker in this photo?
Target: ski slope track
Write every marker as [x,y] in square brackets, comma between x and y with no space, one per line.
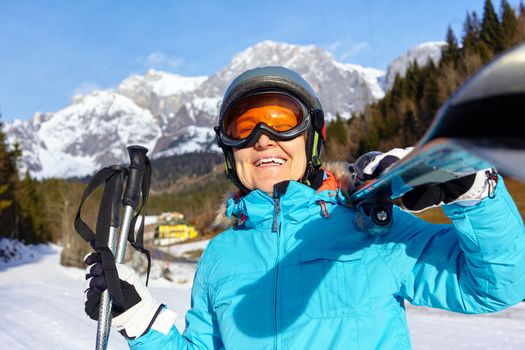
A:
[41,307]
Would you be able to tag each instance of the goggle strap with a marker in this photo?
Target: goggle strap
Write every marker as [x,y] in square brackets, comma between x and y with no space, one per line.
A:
[314,146]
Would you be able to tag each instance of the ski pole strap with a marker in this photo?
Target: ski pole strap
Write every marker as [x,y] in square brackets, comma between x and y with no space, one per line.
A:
[80,225]
[138,243]
[100,240]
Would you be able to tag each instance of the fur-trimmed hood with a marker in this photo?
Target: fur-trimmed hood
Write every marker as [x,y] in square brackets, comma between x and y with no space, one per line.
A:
[338,170]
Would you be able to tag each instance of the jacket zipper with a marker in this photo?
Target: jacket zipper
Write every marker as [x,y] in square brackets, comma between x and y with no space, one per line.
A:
[276,212]
[275,229]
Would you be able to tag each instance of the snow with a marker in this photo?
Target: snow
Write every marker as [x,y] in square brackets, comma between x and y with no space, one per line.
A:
[192,139]
[56,164]
[76,127]
[202,105]
[161,83]
[373,77]
[41,302]
[433,329]
[208,105]
[41,307]
[180,249]
[149,220]
[421,54]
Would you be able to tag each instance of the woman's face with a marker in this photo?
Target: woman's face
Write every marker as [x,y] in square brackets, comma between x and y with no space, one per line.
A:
[269,162]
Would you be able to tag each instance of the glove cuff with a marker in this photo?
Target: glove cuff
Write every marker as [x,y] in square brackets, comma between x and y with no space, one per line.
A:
[164,320]
[483,186]
[137,320]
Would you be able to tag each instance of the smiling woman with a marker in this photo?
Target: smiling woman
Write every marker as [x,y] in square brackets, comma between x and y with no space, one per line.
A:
[294,272]
[264,111]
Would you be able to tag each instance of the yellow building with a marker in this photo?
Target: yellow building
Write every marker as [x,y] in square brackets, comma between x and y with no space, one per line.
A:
[172,232]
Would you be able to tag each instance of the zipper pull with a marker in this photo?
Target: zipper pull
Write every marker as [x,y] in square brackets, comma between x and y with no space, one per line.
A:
[278,190]
[276,212]
[324,209]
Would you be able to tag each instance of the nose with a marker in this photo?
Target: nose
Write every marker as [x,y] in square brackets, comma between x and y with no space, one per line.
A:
[264,142]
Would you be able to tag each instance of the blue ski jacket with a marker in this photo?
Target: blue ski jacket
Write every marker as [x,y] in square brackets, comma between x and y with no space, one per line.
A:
[296,274]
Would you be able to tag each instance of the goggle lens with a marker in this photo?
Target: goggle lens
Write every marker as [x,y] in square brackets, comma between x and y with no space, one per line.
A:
[278,111]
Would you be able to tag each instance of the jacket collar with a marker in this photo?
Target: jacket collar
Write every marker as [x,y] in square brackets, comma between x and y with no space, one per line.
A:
[297,202]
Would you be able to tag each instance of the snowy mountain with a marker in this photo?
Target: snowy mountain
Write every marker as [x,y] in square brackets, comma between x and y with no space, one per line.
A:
[159,92]
[171,114]
[91,132]
[421,54]
[342,88]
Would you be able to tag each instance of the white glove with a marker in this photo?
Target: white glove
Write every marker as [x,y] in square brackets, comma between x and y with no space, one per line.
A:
[484,184]
[383,161]
[136,320]
[371,164]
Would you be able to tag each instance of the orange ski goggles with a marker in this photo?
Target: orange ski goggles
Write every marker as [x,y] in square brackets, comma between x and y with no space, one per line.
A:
[278,115]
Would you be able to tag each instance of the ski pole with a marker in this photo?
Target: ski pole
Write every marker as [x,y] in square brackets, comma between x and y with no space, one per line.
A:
[104,319]
[137,155]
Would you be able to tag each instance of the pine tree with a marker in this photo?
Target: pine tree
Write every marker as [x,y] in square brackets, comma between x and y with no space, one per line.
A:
[336,130]
[412,78]
[491,33]
[31,224]
[471,32]
[4,203]
[429,102]
[520,30]
[8,183]
[451,50]
[509,25]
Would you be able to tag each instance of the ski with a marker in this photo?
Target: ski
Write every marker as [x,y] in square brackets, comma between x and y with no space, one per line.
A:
[477,128]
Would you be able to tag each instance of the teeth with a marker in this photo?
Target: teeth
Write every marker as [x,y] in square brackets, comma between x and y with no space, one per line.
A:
[269,161]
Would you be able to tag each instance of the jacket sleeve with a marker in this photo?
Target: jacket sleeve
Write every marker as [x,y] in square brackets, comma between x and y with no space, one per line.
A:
[201,325]
[475,265]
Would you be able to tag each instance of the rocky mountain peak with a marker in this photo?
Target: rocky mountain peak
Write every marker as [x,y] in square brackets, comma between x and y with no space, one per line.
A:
[172,114]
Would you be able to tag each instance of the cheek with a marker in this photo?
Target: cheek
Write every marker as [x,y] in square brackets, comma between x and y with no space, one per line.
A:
[300,166]
[241,156]
[297,150]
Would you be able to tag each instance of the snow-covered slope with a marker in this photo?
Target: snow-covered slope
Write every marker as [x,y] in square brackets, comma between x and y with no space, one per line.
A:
[41,307]
[171,114]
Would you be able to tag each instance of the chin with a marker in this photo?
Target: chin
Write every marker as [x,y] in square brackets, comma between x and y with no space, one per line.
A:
[267,189]
[266,186]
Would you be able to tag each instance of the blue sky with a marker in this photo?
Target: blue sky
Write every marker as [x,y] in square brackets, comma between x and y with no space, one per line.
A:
[50,50]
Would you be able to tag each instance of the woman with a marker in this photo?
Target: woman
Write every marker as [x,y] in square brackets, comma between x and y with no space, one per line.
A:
[293,272]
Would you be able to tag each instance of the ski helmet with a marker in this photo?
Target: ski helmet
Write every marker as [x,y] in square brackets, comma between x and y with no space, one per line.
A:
[269,83]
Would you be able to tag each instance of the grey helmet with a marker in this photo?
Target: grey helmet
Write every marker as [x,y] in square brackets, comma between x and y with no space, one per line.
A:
[274,79]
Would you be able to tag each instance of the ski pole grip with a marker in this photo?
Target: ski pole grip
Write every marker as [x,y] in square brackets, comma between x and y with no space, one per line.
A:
[137,156]
[121,173]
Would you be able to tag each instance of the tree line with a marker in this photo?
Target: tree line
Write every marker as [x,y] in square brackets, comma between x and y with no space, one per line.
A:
[21,215]
[406,111]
